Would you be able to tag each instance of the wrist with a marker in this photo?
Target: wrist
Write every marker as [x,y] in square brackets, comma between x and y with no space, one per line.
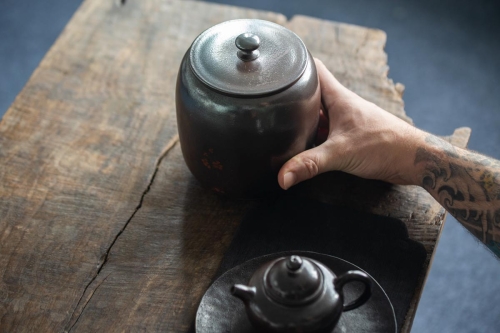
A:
[430,150]
[412,143]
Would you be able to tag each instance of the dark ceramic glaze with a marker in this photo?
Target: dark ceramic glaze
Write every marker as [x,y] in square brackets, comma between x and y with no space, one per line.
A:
[220,311]
[235,143]
[294,294]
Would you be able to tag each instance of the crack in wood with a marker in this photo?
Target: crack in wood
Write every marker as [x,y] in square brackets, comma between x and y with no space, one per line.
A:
[88,300]
[164,153]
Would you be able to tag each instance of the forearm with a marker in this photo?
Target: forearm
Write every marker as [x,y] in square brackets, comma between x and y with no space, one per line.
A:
[467,184]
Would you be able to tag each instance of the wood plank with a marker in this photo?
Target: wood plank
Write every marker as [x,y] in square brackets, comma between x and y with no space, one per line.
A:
[80,145]
[102,228]
[149,290]
[78,148]
[166,257]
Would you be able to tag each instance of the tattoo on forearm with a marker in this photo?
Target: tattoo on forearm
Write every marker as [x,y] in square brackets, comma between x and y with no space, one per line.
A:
[467,185]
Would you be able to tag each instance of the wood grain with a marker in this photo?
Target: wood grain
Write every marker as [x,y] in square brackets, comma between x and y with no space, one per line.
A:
[102,227]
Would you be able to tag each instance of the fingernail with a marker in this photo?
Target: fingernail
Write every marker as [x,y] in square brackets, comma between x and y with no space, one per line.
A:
[289,180]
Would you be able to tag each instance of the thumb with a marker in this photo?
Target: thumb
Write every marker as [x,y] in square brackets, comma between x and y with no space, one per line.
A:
[305,165]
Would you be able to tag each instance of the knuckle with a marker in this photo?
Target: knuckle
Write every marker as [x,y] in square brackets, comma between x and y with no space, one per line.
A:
[311,166]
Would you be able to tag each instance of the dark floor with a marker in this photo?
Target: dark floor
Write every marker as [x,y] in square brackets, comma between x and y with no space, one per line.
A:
[447,55]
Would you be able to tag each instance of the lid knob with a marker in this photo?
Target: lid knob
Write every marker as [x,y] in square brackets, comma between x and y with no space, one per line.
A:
[248,43]
[294,281]
[293,263]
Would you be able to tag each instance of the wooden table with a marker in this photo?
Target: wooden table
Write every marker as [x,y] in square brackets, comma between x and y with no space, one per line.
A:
[102,227]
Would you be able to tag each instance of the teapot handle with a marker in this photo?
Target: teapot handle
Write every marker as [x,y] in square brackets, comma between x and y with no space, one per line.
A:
[351,276]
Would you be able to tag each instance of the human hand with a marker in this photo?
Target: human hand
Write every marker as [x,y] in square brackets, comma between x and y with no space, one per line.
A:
[363,140]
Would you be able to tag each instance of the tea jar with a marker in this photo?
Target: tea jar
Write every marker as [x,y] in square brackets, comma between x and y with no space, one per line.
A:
[247,100]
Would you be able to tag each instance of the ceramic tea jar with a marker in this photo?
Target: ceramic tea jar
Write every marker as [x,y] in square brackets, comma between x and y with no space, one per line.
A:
[247,100]
[298,294]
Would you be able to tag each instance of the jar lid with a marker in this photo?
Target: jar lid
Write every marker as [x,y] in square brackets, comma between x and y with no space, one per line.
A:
[294,281]
[248,57]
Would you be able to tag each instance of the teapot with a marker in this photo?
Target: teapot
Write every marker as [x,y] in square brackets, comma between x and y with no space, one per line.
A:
[247,100]
[298,294]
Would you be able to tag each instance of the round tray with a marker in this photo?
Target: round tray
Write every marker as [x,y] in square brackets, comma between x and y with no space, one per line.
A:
[219,311]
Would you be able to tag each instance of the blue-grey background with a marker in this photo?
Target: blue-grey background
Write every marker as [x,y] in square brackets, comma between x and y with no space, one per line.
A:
[446,53]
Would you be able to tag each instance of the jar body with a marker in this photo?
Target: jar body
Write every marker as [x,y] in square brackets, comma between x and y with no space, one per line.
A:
[237,144]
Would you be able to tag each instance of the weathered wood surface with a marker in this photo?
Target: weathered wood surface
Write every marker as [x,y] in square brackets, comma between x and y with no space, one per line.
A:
[102,227]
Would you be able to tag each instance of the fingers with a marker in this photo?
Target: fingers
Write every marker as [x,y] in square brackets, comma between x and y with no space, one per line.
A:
[320,159]
[331,88]
[304,166]
[314,161]
[323,128]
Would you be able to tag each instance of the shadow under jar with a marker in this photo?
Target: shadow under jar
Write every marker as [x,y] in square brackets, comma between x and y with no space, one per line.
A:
[247,100]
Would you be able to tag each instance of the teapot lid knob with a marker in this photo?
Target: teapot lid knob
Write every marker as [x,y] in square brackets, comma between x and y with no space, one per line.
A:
[247,43]
[294,281]
[294,263]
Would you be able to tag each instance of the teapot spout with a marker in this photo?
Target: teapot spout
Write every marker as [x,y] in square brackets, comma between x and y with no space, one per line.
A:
[243,292]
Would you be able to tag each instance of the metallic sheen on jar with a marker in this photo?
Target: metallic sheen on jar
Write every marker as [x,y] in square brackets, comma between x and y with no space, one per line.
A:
[247,100]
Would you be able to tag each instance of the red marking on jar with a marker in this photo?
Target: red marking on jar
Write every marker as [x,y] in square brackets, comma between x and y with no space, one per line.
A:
[206,163]
[217,165]
[218,190]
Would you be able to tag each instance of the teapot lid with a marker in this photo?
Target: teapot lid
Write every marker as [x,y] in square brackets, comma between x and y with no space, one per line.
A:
[294,281]
[248,57]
